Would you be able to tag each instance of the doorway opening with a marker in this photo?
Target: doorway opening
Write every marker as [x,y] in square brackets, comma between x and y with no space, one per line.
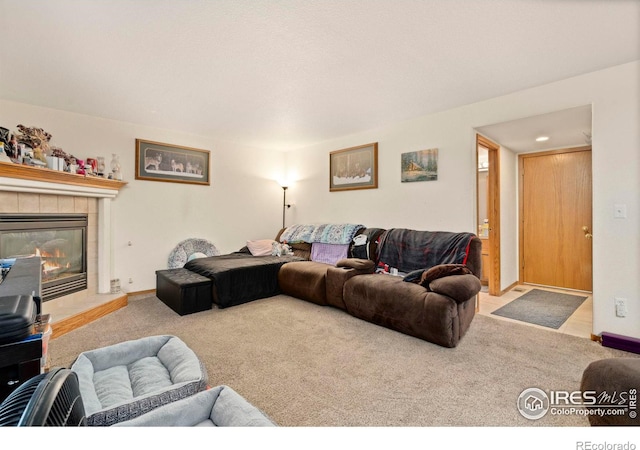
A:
[563,129]
[488,210]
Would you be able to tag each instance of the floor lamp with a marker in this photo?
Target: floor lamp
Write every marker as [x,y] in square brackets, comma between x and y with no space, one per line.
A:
[284,204]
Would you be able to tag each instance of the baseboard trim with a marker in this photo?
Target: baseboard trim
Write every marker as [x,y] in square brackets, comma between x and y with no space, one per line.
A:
[147,292]
[596,338]
[78,320]
[508,288]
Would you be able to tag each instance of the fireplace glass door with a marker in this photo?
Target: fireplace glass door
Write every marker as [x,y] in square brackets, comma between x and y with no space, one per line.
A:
[59,240]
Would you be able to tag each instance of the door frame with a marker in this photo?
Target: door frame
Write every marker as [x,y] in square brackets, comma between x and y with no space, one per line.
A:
[493,207]
[521,158]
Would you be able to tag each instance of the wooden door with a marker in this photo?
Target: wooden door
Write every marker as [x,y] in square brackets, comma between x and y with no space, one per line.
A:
[556,219]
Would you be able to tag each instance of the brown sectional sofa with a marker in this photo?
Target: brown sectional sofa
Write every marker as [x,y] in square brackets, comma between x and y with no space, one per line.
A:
[434,299]
[438,310]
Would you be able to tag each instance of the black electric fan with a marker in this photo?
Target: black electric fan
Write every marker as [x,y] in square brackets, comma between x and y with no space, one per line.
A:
[49,399]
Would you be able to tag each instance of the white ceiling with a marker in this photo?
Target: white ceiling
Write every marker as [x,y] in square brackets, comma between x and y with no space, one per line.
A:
[566,128]
[286,74]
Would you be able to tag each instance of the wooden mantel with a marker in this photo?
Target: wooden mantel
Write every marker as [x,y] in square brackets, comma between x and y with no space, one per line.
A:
[35,180]
[11,170]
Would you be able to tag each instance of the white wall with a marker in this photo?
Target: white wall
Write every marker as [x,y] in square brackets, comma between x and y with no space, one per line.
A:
[449,203]
[428,205]
[508,218]
[243,201]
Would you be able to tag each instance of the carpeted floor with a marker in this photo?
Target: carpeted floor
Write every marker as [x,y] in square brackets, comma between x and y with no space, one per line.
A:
[313,366]
[540,307]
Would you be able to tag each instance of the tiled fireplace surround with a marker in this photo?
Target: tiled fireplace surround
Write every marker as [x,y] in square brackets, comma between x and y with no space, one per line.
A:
[21,202]
[79,308]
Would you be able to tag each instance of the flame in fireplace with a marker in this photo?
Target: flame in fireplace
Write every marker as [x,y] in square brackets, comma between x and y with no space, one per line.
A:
[53,262]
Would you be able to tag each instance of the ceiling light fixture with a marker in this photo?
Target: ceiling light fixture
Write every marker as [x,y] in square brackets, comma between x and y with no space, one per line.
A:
[542,138]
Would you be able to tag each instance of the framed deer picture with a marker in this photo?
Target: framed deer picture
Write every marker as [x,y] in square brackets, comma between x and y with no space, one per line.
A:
[156,161]
[354,168]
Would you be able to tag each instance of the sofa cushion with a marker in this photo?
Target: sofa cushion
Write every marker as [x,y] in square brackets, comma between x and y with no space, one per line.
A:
[305,280]
[442,270]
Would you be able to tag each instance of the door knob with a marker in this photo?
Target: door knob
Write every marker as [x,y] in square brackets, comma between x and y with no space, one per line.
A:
[586,232]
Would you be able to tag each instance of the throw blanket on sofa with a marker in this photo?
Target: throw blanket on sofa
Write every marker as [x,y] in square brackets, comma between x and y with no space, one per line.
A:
[325,233]
[409,250]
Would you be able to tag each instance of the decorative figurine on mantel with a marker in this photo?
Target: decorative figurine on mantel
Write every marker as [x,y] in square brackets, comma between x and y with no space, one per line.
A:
[38,140]
[101,166]
[5,147]
[116,169]
[4,135]
[3,155]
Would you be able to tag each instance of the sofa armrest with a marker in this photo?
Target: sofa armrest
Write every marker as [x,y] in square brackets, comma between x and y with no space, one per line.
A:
[459,287]
[338,276]
[362,265]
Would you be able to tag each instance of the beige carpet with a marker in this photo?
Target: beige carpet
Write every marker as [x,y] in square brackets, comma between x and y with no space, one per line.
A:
[306,365]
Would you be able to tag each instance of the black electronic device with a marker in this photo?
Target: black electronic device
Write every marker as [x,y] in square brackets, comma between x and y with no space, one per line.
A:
[17,316]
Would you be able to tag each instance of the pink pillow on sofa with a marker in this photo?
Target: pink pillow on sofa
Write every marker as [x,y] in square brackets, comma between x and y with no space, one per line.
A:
[260,247]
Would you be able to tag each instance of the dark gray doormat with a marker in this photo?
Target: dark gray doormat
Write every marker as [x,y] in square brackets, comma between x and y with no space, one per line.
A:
[545,308]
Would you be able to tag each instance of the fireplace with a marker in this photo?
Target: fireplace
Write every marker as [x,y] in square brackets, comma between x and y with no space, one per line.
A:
[61,242]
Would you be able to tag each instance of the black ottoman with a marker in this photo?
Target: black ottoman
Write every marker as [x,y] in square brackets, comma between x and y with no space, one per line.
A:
[183,291]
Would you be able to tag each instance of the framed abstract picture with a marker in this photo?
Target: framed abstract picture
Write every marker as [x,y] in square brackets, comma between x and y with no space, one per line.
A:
[354,168]
[419,166]
[156,161]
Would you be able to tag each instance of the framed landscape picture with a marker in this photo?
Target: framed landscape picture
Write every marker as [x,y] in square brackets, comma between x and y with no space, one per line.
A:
[354,168]
[419,166]
[156,161]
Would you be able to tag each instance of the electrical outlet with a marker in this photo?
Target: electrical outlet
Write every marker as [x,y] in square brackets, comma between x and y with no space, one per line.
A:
[130,280]
[621,307]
